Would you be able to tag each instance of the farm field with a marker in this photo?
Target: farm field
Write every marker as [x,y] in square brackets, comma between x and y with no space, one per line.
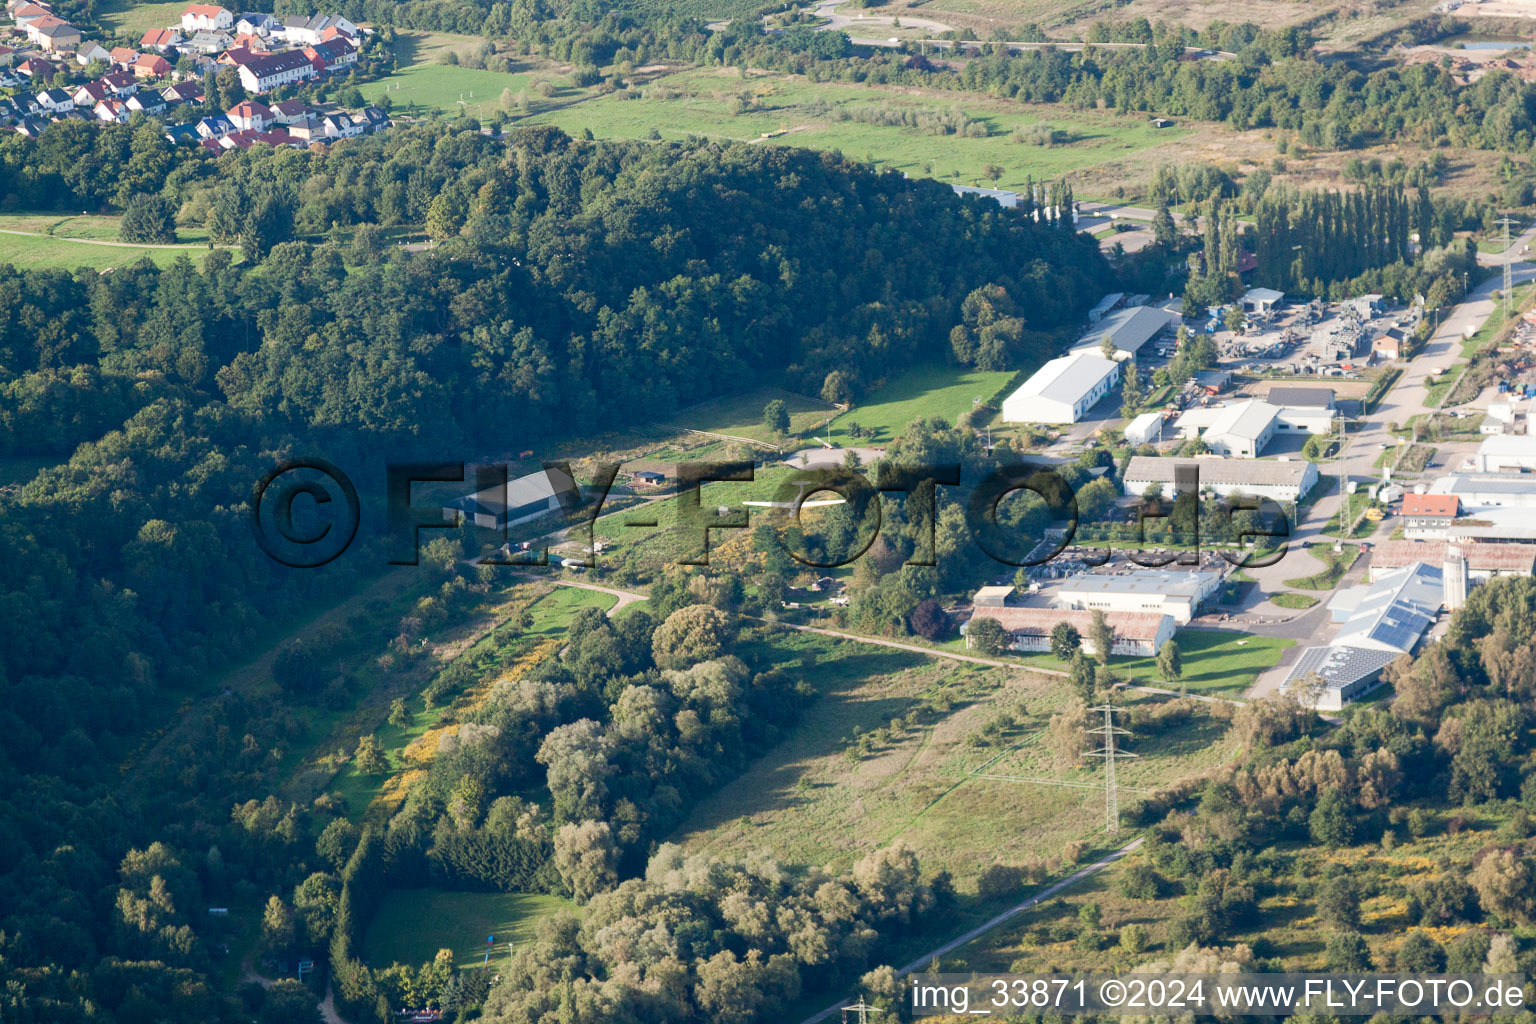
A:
[413,924]
[701,102]
[423,83]
[815,800]
[942,391]
[135,19]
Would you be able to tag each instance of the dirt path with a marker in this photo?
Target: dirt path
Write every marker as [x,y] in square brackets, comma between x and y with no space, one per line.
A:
[116,245]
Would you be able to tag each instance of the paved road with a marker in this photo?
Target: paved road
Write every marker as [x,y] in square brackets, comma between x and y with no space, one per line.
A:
[626,597]
[1001,919]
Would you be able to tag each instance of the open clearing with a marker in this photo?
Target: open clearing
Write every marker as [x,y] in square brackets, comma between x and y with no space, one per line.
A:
[413,924]
[933,391]
[422,82]
[39,252]
[810,802]
[135,19]
[742,415]
[812,115]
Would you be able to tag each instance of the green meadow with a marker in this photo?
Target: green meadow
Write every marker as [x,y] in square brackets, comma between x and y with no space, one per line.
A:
[948,392]
[413,924]
[422,82]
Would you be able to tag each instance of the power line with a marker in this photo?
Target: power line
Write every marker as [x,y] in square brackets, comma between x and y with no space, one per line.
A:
[1110,755]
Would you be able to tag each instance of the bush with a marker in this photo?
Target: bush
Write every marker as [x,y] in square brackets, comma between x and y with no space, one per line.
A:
[148,219]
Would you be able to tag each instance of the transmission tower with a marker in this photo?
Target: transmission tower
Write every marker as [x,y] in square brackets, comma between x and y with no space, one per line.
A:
[1110,754]
[1508,267]
[863,1010]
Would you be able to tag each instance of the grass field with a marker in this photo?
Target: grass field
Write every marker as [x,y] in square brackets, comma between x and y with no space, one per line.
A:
[422,83]
[810,802]
[705,102]
[942,391]
[1216,661]
[28,252]
[742,415]
[413,924]
[135,19]
[1286,599]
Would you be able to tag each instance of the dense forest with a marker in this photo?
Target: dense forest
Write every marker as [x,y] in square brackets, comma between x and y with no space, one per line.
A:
[575,282]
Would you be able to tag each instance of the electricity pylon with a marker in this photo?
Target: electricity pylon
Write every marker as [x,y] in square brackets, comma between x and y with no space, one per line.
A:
[863,1009]
[1110,754]
[1509,277]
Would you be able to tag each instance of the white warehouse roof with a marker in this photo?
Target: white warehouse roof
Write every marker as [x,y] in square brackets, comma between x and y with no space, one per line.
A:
[1246,420]
[1068,378]
[1128,328]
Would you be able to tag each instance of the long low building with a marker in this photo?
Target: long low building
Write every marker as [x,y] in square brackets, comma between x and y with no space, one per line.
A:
[1243,429]
[523,500]
[1489,490]
[1137,634]
[1484,561]
[1162,591]
[1279,480]
[1063,390]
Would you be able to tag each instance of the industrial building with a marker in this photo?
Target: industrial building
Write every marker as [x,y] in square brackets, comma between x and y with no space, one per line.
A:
[1063,390]
[1301,398]
[1179,594]
[1137,634]
[1145,429]
[1506,453]
[1484,561]
[1379,622]
[1489,490]
[1128,329]
[1243,429]
[1262,300]
[522,500]
[1279,480]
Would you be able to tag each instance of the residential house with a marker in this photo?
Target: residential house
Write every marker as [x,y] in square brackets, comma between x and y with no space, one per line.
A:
[147,102]
[374,118]
[56,101]
[151,65]
[239,56]
[332,55]
[54,34]
[1428,515]
[213,126]
[341,126]
[250,115]
[31,126]
[183,92]
[7,56]
[302,31]
[87,53]
[272,70]
[37,69]
[25,14]
[122,57]
[208,42]
[90,94]
[289,111]
[120,83]
[181,134]
[206,18]
[257,24]
[161,39]
[306,129]
[8,112]
[112,111]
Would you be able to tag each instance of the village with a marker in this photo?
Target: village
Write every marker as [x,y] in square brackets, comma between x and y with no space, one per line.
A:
[52,74]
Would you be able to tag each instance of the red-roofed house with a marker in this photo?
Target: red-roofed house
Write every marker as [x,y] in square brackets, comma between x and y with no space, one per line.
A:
[205,18]
[37,69]
[1428,515]
[26,14]
[250,115]
[120,83]
[123,56]
[161,39]
[151,65]
[53,34]
[112,111]
[334,53]
[239,56]
[90,94]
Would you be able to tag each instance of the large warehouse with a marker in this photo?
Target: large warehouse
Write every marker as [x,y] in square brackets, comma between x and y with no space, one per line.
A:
[1128,329]
[1243,429]
[1277,480]
[1166,592]
[1063,390]
[1506,453]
